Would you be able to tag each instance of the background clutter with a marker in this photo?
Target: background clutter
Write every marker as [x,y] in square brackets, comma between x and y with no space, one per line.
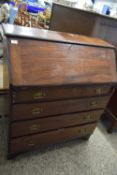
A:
[30,13]
[37,13]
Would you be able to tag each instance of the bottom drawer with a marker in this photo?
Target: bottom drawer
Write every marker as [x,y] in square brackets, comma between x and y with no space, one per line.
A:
[39,140]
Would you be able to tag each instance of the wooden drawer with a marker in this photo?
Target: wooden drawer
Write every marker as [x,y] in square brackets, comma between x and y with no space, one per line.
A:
[53,93]
[43,109]
[43,139]
[45,124]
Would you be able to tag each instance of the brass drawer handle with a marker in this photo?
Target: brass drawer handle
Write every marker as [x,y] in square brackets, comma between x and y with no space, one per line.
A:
[61,130]
[98,91]
[34,127]
[31,144]
[38,95]
[93,104]
[36,111]
[87,117]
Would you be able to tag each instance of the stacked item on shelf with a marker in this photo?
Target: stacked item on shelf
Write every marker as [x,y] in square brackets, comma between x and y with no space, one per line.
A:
[31,13]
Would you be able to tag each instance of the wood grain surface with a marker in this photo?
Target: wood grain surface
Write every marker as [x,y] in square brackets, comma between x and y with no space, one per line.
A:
[56,122]
[26,32]
[43,109]
[47,138]
[36,94]
[47,63]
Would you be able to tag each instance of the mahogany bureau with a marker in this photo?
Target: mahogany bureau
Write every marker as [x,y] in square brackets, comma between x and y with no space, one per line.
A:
[59,86]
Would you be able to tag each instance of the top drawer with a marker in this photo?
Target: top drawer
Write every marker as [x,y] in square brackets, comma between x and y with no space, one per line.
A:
[27,94]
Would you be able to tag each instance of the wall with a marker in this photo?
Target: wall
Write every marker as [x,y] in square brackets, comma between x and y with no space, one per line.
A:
[99,4]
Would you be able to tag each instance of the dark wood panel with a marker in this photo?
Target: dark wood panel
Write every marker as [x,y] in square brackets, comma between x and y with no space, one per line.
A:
[71,20]
[40,34]
[39,140]
[28,94]
[39,125]
[83,22]
[112,105]
[36,110]
[60,64]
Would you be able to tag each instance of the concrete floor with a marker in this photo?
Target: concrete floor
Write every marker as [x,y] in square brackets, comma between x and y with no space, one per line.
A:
[98,156]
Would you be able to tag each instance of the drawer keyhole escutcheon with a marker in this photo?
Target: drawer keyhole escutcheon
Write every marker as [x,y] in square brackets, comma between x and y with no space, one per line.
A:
[87,117]
[98,91]
[36,111]
[31,144]
[34,127]
[38,95]
[93,104]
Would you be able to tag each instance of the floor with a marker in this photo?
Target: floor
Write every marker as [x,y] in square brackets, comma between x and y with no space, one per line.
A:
[98,156]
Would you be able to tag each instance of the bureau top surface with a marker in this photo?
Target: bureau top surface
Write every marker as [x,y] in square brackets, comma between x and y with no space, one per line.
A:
[26,32]
[35,62]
